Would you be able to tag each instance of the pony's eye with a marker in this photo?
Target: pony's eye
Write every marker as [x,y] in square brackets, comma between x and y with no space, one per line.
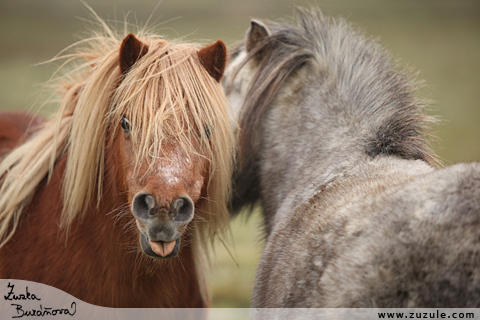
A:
[125,125]
[207,132]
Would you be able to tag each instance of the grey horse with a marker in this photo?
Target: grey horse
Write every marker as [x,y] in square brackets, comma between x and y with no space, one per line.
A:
[333,144]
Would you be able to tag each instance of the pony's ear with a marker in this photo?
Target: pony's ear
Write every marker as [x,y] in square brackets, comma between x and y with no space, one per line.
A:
[131,50]
[214,58]
[255,34]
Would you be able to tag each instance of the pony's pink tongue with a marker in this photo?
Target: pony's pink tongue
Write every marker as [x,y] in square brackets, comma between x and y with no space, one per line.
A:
[161,248]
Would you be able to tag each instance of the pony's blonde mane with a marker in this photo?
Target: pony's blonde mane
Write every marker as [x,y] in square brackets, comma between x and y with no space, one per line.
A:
[167,94]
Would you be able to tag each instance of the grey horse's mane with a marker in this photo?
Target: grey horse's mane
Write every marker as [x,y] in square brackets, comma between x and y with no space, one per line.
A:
[389,118]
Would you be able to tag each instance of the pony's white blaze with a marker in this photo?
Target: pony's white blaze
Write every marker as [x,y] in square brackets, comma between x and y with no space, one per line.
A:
[170,172]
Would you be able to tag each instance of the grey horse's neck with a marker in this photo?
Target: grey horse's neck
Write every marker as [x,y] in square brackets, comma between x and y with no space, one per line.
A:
[312,146]
[283,193]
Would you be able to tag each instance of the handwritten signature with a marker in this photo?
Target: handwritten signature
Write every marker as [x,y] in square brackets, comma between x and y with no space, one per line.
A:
[39,312]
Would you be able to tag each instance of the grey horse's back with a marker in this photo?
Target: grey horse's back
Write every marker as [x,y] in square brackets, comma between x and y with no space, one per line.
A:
[407,242]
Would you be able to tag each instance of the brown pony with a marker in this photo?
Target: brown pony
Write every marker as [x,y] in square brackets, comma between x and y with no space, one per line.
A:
[134,168]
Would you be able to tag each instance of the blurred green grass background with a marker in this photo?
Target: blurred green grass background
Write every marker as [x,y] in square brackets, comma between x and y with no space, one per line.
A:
[439,39]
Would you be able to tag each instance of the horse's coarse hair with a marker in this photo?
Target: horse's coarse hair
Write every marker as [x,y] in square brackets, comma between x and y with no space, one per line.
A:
[367,79]
[178,99]
[387,94]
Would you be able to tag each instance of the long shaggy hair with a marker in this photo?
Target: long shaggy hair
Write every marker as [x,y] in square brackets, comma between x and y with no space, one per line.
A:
[315,39]
[382,105]
[167,96]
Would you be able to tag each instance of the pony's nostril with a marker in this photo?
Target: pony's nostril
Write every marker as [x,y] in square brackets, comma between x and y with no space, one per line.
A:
[178,204]
[142,205]
[150,202]
[183,208]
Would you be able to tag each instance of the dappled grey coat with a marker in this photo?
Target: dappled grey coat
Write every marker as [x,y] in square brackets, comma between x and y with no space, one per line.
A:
[333,145]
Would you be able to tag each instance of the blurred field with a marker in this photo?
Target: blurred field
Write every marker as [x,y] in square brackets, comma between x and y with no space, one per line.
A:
[440,39]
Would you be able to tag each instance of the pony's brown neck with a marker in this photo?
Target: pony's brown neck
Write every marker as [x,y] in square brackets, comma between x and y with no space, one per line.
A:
[98,261]
[114,234]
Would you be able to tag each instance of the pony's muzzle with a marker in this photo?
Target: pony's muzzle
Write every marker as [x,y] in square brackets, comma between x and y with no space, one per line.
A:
[144,207]
[164,224]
